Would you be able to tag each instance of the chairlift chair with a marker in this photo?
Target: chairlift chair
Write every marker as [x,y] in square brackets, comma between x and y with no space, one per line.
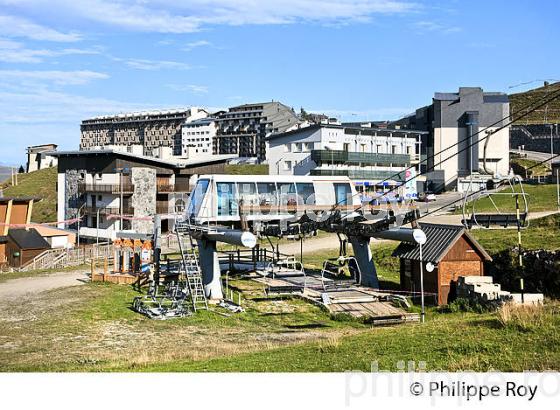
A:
[499,218]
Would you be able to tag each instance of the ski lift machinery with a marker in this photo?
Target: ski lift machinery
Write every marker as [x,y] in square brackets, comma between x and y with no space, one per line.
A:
[500,218]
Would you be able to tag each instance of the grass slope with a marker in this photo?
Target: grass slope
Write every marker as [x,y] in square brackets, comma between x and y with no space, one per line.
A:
[40,184]
[247,169]
[520,100]
[540,198]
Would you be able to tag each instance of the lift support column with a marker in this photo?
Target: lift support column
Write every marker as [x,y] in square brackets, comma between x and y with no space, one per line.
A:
[210,266]
[362,253]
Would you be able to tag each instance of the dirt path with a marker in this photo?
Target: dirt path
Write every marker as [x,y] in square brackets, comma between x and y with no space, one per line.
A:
[315,245]
[16,288]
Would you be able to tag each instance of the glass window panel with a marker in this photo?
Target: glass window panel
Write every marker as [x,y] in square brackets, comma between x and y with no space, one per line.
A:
[227,203]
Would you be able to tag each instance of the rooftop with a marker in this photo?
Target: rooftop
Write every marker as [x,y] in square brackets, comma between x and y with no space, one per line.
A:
[177,162]
[440,239]
[28,239]
[365,130]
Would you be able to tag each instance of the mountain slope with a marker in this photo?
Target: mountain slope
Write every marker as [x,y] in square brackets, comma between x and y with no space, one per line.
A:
[546,114]
[40,184]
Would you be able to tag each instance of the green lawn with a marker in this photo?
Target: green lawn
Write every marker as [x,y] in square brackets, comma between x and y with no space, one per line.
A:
[247,169]
[41,184]
[521,167]
[540,198]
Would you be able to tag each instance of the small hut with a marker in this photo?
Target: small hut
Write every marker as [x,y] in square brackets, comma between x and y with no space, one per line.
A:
[449,252]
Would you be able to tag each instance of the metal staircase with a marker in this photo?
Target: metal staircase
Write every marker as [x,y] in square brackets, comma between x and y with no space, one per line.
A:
[191,267]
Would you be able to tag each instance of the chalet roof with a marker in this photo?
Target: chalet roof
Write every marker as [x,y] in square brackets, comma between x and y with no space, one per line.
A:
[28,239]
[440,239]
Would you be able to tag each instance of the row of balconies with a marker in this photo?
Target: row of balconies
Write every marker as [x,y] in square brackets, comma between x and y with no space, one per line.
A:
[128,188]
[358,173]
[347,157]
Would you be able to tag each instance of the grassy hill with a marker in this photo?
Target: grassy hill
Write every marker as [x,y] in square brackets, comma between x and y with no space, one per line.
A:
[247,169]
[40,184]
[521,100]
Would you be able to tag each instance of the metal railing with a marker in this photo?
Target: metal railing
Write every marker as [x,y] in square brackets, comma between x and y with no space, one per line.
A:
[63,258]
[337,156]
[114,189]
[359,174]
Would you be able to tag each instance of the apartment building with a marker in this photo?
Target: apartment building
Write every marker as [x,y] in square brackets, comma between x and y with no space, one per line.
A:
[366,155]
[38,157]
[117,191]
[150,129]
[198,137]
[459,123]
[242,130]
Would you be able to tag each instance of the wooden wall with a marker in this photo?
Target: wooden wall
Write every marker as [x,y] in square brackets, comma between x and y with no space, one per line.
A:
[461,260]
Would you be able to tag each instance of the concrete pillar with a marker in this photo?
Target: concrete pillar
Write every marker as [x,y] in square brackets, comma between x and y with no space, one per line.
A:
[210,266]
[362,253]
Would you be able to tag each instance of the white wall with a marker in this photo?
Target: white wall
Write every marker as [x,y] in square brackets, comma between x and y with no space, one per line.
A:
[61,199]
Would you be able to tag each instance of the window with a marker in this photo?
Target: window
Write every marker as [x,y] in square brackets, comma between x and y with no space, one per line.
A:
[363,147]
[287,193]
[306,193]
[378,148]
[267,193]
[227,205]
[408,149]
[298,147]
[195,200]
[346,147]
[393,149]
[308,146]
[247,192]
[287,165]
[343,194]
[287,148]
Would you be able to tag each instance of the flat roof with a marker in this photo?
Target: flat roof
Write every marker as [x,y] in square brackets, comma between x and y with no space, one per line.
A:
[178,163]
[318,126]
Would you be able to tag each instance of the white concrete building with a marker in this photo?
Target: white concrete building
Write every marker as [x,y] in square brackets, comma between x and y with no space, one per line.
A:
[38,157]
[366,155]
[198,137]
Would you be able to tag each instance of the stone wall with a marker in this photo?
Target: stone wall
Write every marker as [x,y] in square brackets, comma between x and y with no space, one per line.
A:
[144,198]
[73,199]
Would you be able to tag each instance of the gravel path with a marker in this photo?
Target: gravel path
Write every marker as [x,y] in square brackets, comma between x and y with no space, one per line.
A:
[16,288]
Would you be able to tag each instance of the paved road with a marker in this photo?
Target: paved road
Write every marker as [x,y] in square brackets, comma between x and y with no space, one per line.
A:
[16,288]
[534,155]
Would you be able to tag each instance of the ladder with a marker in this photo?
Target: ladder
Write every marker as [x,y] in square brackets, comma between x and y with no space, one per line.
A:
[193,273]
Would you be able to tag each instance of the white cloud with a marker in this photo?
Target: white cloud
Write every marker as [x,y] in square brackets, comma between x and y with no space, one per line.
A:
[15,52]
[153,65]
[13,26]
[196,44]
[192,88]
[431,26]
[78,77]
[170,16]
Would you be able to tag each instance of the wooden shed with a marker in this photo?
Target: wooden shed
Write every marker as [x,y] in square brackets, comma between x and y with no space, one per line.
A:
[24,245]
[452,252]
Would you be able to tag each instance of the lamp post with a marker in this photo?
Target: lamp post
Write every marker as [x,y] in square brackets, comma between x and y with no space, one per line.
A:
[420,238]
[97,235]
[79,220]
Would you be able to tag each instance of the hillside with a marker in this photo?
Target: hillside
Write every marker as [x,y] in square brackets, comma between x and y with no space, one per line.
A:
[543,115]
[40,184]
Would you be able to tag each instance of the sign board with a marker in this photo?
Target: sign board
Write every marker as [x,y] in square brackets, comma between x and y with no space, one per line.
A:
[419,236]
[410,191]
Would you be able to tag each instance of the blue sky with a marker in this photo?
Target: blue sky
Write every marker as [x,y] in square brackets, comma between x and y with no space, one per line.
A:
[62,61]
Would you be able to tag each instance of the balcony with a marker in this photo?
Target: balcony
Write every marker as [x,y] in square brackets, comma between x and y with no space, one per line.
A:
[109,210]
[360,174]
[336,156]
[114,189]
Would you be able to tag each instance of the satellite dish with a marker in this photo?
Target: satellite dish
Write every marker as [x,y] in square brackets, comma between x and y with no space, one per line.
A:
[430,267]
[419,236]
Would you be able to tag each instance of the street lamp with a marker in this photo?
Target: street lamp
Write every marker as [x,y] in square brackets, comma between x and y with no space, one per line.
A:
[79,220]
